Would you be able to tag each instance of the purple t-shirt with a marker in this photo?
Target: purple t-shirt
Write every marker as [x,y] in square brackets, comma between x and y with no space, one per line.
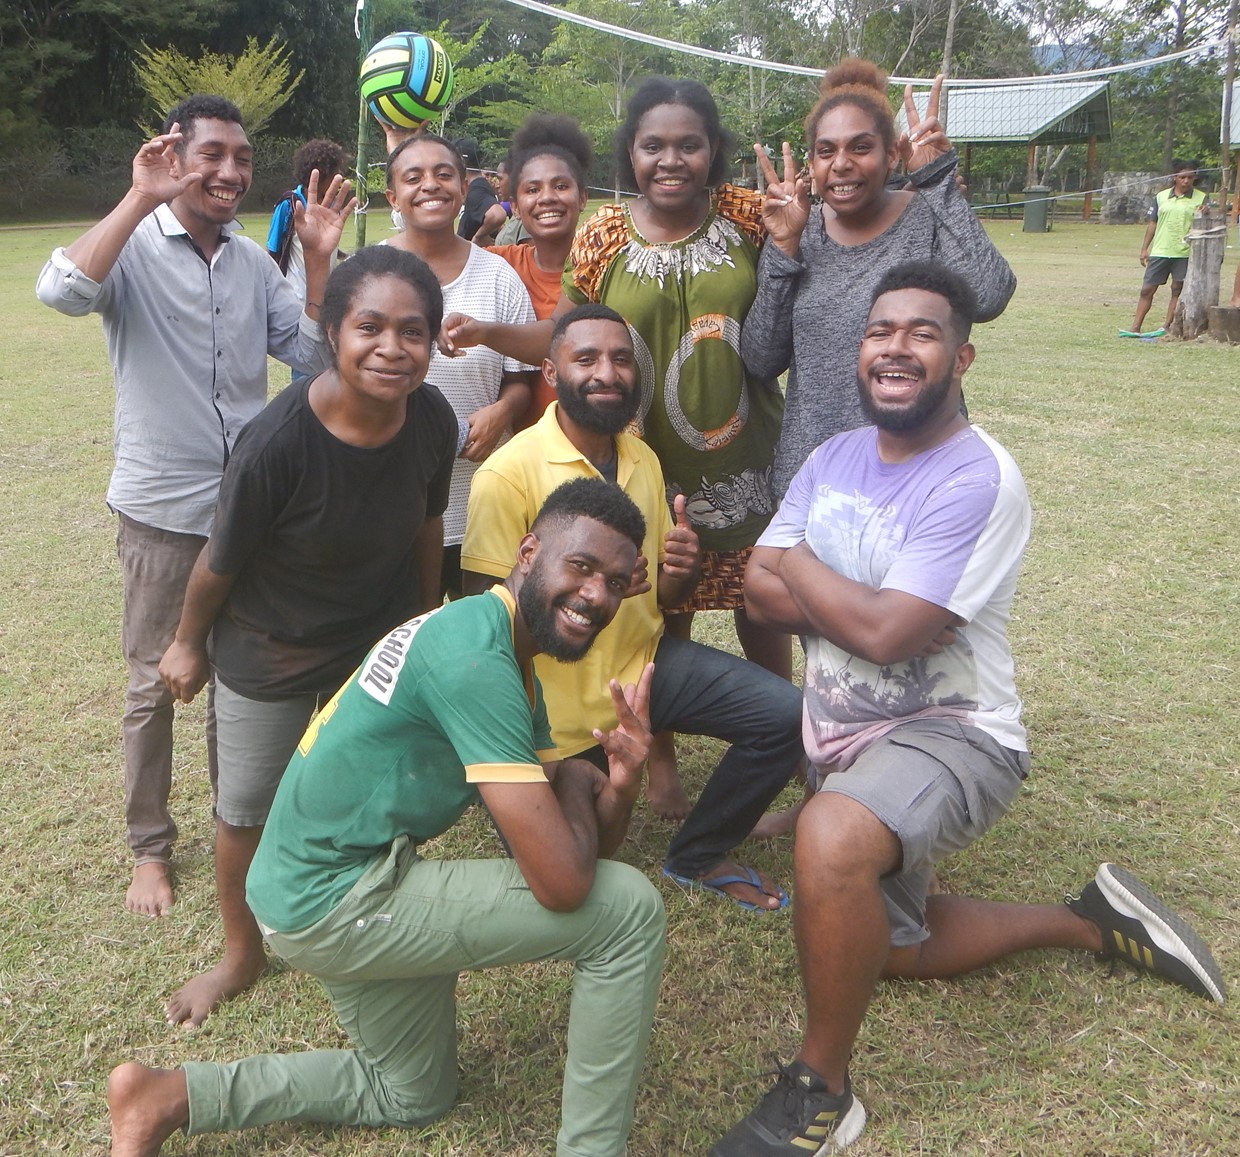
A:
[949,526]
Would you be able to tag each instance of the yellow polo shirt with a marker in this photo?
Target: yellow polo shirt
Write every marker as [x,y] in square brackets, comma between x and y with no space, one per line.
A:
[507,493]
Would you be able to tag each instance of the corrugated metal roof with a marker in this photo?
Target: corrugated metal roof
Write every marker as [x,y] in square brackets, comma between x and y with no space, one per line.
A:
[1045,114]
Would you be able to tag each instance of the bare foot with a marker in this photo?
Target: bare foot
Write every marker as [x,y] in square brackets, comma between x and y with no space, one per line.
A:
[150,890]
[769,896]
[146,1106]
[664,791]
[194,1001]
[775,824]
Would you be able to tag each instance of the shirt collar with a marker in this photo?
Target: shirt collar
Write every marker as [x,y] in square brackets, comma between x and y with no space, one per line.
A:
[170,226]
[558,448]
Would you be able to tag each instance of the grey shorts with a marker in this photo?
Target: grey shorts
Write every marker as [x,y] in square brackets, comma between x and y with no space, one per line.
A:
[1158,269]
[255,741]
[939,785]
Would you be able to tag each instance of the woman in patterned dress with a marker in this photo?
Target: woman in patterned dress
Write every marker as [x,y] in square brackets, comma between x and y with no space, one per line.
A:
[679,263]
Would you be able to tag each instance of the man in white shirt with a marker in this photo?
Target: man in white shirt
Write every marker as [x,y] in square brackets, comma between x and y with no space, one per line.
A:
[190,313]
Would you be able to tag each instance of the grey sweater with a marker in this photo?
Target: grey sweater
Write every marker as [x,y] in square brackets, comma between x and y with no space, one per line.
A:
[809,314]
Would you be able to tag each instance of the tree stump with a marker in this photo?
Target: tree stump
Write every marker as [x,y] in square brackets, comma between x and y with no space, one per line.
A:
[1225,324]
[1207,242]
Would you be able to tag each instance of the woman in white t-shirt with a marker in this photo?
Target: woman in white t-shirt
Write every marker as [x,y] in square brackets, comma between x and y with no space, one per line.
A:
[489,392]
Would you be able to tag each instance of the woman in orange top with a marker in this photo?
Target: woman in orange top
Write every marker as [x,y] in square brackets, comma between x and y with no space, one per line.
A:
[549,158]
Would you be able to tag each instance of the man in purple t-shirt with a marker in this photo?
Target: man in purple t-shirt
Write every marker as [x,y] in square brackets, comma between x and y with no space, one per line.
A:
[894,554]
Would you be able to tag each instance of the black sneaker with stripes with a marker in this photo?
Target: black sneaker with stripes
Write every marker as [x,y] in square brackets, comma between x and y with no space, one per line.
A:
[1138,927]
[797,1117]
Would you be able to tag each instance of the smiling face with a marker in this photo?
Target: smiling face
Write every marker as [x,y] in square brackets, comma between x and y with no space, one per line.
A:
[849,161]
[547,199]
[672,157]
[426,186]
[911,362]
[383,343]
[222,153]
[575,576]
[595,375]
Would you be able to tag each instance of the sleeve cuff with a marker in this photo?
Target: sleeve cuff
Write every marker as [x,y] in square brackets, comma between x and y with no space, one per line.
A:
[505,773]
[935,171]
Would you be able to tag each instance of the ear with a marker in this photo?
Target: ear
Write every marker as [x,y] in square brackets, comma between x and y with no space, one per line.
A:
[390,194]
[548,372]
[964,359]
[527,552]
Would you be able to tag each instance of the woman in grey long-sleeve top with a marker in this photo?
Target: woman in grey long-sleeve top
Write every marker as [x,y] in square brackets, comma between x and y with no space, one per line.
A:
[820,265]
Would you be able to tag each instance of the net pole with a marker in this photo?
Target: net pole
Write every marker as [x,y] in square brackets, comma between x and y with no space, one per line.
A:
[362,27]
[1229,76]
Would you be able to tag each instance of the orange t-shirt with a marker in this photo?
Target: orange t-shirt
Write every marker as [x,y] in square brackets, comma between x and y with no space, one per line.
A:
[544,290]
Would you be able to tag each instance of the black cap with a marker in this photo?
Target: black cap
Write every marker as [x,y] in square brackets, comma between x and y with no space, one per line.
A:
[468,148]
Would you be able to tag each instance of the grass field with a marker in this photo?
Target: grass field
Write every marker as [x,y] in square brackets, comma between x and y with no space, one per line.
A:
[1125,636]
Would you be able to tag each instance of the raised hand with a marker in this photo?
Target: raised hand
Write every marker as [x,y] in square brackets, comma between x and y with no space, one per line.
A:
[320,221]
[153,165]
[682,551]
[628,745]
[924,140]
[785,209]
[639,582]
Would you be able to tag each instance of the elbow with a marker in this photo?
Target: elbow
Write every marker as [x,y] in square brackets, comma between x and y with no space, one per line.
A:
[563,895]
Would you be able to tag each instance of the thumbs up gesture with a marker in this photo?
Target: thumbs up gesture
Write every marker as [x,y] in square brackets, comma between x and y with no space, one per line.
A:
[682,552]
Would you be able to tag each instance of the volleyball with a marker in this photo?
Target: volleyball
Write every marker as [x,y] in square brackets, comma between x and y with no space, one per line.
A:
[406,79]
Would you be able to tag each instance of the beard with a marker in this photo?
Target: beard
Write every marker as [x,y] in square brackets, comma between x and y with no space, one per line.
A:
[538,610]
[605,418]
[903,418]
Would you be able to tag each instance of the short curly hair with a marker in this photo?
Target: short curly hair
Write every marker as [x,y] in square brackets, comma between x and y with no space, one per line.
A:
[593,498]
[322,154]
[199,107]
[933,277]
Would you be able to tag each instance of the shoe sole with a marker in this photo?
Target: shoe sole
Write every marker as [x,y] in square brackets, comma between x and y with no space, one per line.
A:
[1169,931]
[846,1130]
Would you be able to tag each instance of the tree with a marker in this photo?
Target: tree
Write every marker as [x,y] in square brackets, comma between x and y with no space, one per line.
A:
[258,82]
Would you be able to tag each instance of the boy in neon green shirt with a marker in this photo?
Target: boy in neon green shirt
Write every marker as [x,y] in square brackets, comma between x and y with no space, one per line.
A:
[1164,250]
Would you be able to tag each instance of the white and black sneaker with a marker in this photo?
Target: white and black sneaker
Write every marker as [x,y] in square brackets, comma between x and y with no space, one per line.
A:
[797,1118]
[1139,928]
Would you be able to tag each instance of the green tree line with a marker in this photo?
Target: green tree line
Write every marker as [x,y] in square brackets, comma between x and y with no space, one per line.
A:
[71,101]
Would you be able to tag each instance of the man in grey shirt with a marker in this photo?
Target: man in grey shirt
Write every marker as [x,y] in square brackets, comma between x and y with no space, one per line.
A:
[190,312]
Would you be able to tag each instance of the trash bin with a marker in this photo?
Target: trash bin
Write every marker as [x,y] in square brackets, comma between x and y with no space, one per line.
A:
[1037,209]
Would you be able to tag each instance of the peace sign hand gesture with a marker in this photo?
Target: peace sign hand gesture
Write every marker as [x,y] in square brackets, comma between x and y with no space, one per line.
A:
[924,140]
[785,209]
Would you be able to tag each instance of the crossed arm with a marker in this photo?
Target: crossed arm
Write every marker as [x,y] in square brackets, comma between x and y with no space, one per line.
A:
[792,590]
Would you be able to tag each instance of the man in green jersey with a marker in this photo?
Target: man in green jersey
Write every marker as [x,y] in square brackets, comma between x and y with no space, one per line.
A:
[446,709]
[1164,250]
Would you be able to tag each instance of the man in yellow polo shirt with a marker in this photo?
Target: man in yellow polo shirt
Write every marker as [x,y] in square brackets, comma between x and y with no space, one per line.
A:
[1164,250]
[697,690]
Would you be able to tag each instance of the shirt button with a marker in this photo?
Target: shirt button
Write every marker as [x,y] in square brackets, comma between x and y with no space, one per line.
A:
[219,353]
[217,309]
[218,396]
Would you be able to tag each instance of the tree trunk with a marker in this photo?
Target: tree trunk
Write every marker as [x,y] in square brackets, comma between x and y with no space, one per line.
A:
[1207,241]
[1225,324]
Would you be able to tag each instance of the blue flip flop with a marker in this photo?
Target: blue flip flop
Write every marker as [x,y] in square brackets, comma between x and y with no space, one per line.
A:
[744,876]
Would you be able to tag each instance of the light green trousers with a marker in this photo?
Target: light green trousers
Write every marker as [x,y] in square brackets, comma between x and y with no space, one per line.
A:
[389,955]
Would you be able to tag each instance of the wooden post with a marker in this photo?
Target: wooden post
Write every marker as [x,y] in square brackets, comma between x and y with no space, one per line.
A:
[1031,166]
[1206,241]
[1088,207]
